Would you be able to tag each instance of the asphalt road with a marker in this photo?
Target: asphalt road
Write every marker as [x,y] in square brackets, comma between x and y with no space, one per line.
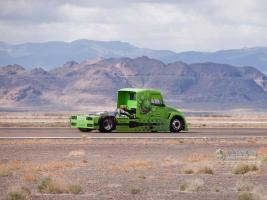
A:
[194,133]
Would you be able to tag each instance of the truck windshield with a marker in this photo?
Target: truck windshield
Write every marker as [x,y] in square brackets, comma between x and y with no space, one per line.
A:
[156,102]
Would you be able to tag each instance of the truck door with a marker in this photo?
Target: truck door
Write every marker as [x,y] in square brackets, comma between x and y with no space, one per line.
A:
[158,114]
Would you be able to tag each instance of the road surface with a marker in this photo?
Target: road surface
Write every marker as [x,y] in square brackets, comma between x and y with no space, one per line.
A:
[72,133]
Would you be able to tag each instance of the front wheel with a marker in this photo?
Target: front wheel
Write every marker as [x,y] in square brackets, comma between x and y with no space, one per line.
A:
[107,124]
[176,125]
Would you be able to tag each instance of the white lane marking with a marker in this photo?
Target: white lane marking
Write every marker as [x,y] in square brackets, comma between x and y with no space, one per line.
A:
[204,137]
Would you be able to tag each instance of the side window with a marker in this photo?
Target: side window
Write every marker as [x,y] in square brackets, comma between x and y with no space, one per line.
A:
[133,96]
[156,101]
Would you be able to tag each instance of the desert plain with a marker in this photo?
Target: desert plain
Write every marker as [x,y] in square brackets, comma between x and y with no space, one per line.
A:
[130,168]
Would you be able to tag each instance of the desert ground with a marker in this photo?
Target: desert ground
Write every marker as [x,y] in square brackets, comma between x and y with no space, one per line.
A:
[195,165]
[133,169]
[195,120]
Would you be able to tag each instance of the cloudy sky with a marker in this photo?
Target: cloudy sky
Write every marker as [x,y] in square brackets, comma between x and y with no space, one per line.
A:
[178,25]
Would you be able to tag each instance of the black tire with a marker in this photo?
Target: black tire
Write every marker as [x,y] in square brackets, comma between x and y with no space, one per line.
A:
[176,125]
[85,129]
[107,124]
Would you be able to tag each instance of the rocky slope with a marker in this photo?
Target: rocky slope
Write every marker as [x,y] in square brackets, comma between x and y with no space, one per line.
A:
[95,82]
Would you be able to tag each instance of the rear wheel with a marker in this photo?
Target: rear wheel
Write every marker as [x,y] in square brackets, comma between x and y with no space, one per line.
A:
[107,124]
[85,129]
[176,125]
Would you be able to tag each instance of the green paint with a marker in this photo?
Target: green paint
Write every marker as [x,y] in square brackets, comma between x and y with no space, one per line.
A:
[147,109]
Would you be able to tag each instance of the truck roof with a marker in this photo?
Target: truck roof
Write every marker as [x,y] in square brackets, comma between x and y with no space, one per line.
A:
[138,90]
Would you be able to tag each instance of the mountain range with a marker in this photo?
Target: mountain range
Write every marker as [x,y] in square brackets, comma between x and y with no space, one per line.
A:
[95,82]
[50,55]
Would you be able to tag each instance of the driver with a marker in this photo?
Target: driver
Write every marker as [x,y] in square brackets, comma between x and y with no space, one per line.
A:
[123,110]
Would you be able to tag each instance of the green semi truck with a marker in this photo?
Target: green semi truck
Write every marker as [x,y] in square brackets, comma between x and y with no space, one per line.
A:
[138,110]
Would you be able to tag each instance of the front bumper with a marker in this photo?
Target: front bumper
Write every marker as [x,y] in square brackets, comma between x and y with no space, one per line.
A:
[84,121]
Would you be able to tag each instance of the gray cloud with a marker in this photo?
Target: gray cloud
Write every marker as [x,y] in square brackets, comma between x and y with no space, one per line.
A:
[160,24]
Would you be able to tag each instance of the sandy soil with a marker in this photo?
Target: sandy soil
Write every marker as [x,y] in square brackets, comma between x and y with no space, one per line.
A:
[60,119]
[134,169]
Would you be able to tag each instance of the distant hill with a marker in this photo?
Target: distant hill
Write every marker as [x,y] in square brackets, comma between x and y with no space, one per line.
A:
[256,56]
[95,82]
[49,55]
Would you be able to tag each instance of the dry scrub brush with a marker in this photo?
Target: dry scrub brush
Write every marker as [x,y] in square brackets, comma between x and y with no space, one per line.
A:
[193,185]
[58,186]
[244,168]
[22,193]
[201,170]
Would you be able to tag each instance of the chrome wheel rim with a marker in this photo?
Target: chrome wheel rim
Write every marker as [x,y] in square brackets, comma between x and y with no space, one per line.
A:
[176,124]
[108,124]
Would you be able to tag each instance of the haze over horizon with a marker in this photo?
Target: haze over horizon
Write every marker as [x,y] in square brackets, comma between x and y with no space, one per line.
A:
[88,39]
[178,26]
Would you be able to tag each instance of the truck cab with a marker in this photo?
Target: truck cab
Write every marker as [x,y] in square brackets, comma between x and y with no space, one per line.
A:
[138,110]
